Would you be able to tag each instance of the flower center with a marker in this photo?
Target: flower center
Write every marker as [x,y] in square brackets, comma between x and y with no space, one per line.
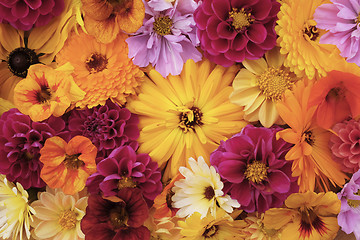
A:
[309,137]
[312,32]
[96,63]
[67,219]
[256,171]
[169,201]
[353,203]
[310,220]
[20,60]
[73,162]
[274,82]
[210,231]
[357,20]
[162,25]
[121,6]
[336,93]
[240,19]
[209,192]
[119,217]
[43,95]
[126,182]
[189,117]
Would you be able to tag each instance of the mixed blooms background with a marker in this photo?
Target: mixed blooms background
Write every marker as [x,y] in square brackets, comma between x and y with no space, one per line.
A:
[179,119]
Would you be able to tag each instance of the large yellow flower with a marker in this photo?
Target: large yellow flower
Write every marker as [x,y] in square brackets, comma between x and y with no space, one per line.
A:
[19,51]
[259,85]
[188,115]
[299,40]
[101,70]
[306,216]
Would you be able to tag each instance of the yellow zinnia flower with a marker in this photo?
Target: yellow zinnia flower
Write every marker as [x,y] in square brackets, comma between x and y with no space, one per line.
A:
[306,216]
[186,116]
[259,85]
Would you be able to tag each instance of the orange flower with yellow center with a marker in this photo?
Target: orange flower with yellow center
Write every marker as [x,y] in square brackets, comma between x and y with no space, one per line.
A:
[46,91]
[67,165]
[104,19]
[101,70]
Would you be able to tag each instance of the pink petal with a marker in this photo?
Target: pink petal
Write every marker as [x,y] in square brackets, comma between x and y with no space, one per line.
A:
[239,42]
[211,27]
[20,10]
[31,17]
[254,50]
[33,4]
[206,6]
[242,193]
[261,11]
[235,56]
[46,7]
[278,181]
[224,30]
[221,8]
[220,45]
[8,3]
[201,19]
[256,33]
[232,170]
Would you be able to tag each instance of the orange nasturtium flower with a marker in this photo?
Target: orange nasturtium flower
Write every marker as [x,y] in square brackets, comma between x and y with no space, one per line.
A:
[46,91]
[67,165]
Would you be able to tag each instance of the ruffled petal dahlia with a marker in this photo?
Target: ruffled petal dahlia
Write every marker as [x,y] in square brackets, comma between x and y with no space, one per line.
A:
[125,169]
[108,127]
[25,14]
[232,31]
[254,168]
[20,142]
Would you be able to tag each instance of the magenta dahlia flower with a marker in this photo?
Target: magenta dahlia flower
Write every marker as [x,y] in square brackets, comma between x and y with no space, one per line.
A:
[167,38]
[345,146]
[125,169]
[108,127]
[26,14]
[119,219]
[349,216]
[253,166]
[20,142]
[231,31]
[341,20]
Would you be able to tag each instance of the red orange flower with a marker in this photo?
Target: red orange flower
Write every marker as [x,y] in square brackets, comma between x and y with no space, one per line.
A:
[67,165]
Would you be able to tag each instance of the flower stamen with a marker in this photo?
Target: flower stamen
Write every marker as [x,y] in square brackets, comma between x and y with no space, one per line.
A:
[162,25]
[119,217]
[73,162]
[189,117]
[256,172]
[240,19]
[67,219]
[210,231]
[126,182]
[312,32]
[96,63]
[309,137]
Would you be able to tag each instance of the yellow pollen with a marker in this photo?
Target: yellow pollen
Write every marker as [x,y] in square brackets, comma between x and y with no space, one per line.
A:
[162,25]
[353,203]
[67,219]
[126,182]
[357,20]
[274,82]
[240,19]
[256,171]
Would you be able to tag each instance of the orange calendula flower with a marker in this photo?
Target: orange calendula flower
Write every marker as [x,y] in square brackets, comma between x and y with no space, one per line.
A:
[311,154]
[104,19]
[46,91]
[67,165]
[338,97]
[102,70]
[306,216]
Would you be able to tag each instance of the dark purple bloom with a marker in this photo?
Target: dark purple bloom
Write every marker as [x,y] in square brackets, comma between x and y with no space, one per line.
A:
[253,166]
[232,31]
[121,218]
[108,127]
[126,169]
[20,142]
[25,14]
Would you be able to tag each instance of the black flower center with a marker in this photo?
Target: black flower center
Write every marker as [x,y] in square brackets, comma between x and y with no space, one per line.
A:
[119,217]
[20,60]
[336,93]
[309,222]
[312,32]
[309,137]
[43,95]
[96,63]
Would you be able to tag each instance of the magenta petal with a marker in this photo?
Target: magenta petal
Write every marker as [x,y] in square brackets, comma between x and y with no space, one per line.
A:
[46,7]
[30,18]
[59,7]
[278,181]
[211,28]
[34,4]
[242,193]
[261,11]
[254,50]
[235,56]
[220,45]
[256,33]
[221,9]
[201,19]
[6,14]
[207,8]
[241,3]
[20,10]
[232,170]
[8,3]
[108,166]
[224,30]
[239,42]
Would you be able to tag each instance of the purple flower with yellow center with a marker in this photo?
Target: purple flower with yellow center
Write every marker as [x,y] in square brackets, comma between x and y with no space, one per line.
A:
[253,166]
[125,169]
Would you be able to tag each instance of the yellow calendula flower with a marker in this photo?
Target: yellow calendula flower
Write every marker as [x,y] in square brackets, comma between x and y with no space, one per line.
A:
[186,116]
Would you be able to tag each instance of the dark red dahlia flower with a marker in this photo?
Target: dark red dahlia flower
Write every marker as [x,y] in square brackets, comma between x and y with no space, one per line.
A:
[125,169]
[26,14]
[119,219]
[233,30]
[20,142]
[108,127]
[253,166]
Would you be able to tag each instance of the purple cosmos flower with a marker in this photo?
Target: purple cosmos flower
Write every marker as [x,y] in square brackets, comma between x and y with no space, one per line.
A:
[341,19]
[349,216]
[167,38]
[232,31]
[108,127]
[25,14]
[20,142]
[126,169]
[253,166]
[121,218]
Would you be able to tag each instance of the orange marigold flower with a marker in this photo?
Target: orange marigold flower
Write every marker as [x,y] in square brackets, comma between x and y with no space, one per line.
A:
[311,153]
[46,91]
[337,96]
[67,165]
[104,19]
[102,70]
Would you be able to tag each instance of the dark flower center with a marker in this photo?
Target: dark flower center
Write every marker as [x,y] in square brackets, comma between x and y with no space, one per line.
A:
[336,93]
[162,25]
[256,172]
[96,63]
[121,6]
[169,201]
[210,231]
[309,137]
[119,217]
[126,182]
[312,32]
[209,192]
[310,221]
[240,20]
[354,203]
[43,95]
[189,118]
[73,162]
[20,60]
